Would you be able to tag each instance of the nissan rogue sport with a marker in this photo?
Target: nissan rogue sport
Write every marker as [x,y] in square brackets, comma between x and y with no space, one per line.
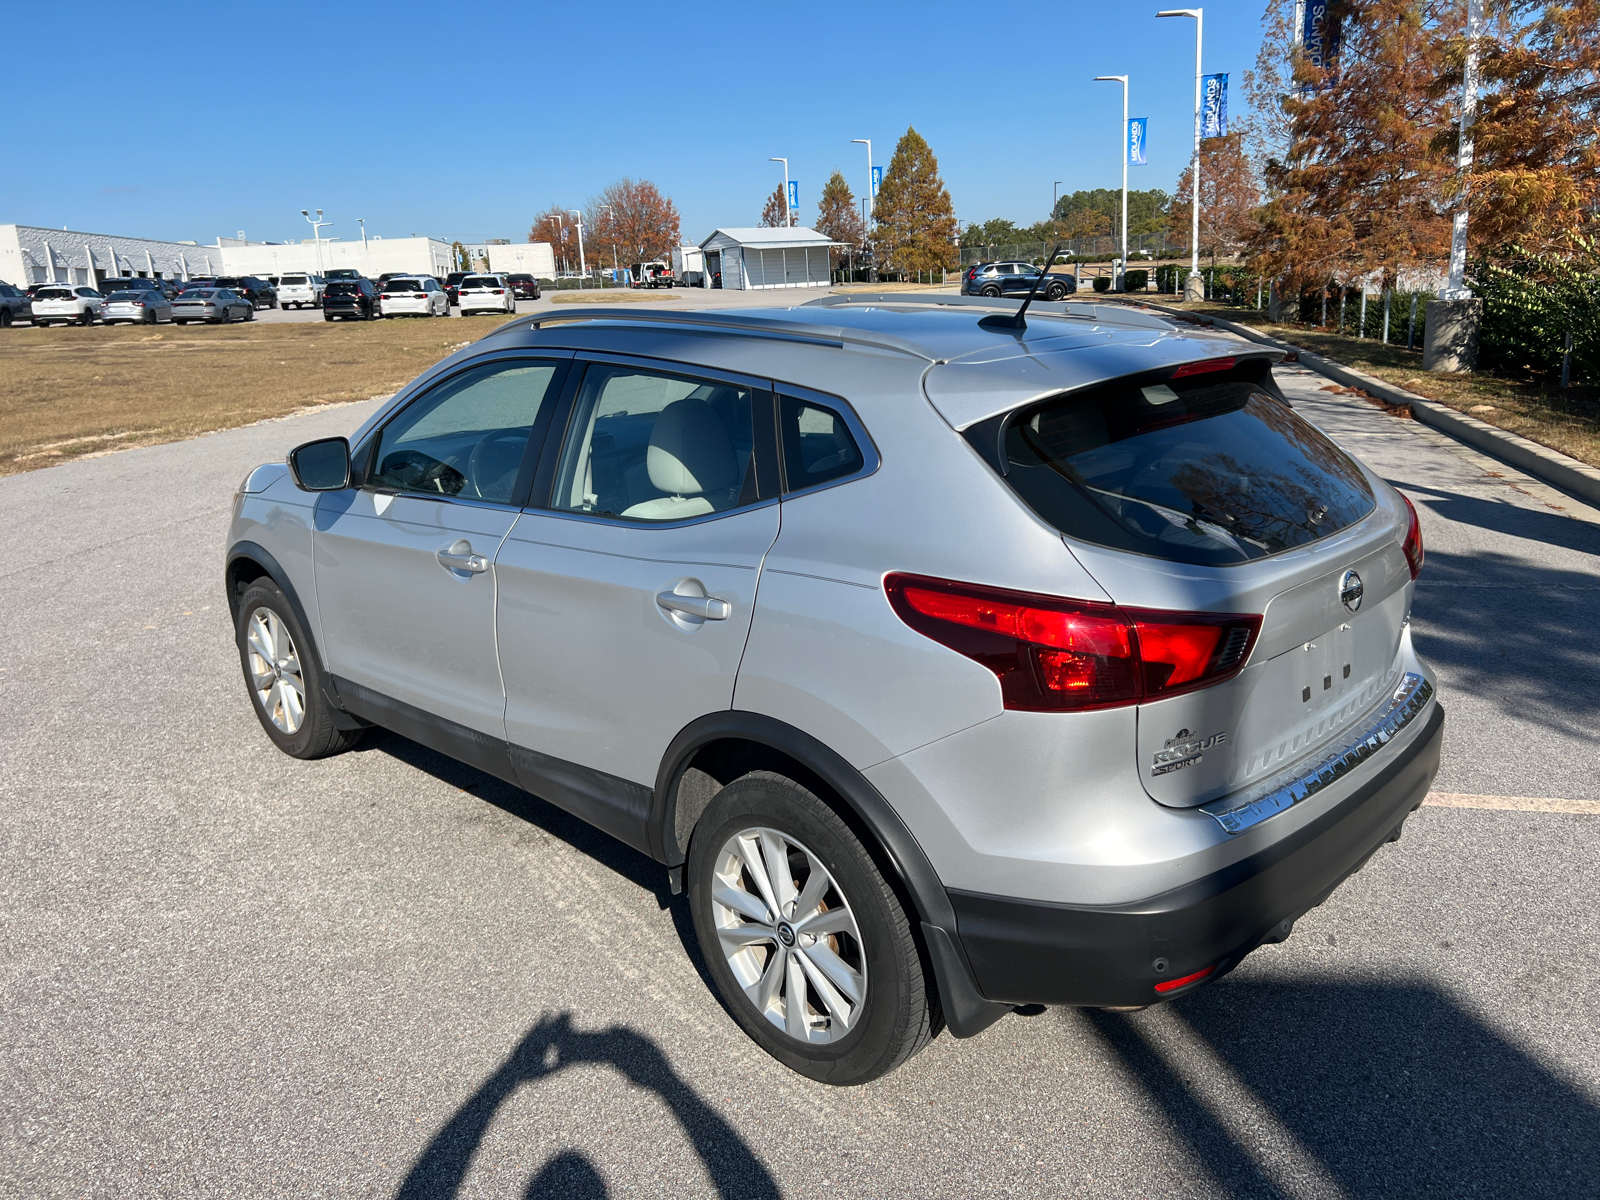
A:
[950,663]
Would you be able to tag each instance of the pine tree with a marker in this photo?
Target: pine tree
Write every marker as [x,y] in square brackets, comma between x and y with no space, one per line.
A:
[838,216]
[916,220]
[776,212]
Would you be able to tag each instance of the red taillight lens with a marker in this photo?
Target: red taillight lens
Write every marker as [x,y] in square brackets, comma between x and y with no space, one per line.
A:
[1052,654]
[972,274]
[1204,368]
[1413,543]
[1173,985]
[499,291]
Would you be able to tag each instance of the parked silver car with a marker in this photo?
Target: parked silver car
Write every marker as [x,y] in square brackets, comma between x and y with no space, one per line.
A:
[215,306]
[140,306]
[948,663]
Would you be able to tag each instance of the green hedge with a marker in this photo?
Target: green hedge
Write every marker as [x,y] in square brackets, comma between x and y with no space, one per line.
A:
[1531,302]
[1134,281]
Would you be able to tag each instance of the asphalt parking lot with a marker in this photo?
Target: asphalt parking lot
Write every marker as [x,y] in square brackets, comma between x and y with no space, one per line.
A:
[225,972]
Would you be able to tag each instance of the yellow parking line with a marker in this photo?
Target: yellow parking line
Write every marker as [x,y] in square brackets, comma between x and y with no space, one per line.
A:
[1519,803]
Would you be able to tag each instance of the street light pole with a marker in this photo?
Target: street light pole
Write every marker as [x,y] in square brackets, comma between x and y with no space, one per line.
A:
[1457,288]
[1122,270]
[867,142]
[316,234]
[583,266]
[610,208]
[1194,287]
[787,220]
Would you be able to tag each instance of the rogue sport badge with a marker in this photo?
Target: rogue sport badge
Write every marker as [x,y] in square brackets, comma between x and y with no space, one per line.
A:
[1184,749]
[1350,590]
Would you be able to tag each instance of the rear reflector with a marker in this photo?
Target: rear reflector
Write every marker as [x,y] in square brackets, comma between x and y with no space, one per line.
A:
[1052,654]
[1413,541]
[1203,368]
[1173,985]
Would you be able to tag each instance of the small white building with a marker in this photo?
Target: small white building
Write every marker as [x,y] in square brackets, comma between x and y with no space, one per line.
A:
[523,258]
[373,257]
[768,258]
[30,254]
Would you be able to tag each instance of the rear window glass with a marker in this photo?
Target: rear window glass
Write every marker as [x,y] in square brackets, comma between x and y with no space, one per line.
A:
[53,294]
[343,288]
[402,285]
[480,281]
[817,446]
[139,295]
[199,294]
[295,279]
[1202,474]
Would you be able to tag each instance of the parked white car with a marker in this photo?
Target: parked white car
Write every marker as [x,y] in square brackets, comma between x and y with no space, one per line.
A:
[63,304]
[486,293]
[300,291]
[413,296]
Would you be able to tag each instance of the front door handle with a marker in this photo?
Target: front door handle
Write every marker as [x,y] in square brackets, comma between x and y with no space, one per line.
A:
[459,556]
[707,608]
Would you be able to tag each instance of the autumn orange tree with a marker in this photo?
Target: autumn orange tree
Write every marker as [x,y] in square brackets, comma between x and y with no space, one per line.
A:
[1363,182]
[635,218]
[916,220]
[838,216]
[1229,196]
[554,226]
[1535,178]
[776,210]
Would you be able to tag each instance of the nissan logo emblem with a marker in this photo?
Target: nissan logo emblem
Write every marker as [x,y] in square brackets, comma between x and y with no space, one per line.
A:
[1350,590]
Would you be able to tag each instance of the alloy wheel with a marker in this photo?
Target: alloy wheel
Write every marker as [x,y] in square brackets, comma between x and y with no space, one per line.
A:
[789,936]
[275,673]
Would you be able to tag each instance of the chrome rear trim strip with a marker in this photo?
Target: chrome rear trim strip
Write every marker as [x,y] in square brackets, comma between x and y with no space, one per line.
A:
[1408,701]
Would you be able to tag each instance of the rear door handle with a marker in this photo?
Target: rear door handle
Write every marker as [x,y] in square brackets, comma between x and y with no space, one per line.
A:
[707,608]
[459,556]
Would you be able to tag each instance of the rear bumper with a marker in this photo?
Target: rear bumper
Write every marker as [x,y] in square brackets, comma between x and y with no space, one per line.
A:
[1028,952]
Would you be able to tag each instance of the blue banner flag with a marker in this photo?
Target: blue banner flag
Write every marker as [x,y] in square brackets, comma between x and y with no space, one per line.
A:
[1319,37]
[1213,106]
[1137,128]
[794,193]
[877,178]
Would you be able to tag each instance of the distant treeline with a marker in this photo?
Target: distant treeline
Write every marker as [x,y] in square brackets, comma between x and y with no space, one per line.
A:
[1080,214]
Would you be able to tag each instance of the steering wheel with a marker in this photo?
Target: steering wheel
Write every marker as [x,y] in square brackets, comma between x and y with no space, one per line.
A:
[497,454]
[423,472]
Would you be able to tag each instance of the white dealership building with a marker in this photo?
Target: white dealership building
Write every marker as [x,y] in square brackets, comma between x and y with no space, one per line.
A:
[768,258]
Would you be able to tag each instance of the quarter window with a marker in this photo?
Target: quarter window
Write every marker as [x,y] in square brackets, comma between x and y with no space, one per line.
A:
[468,436]
[817,445]
[644,446]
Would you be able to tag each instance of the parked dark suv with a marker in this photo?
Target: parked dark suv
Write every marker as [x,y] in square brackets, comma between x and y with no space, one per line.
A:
[259,292]
[1014,279]
[452,285]
[524,287]
[14,305]
[356,298]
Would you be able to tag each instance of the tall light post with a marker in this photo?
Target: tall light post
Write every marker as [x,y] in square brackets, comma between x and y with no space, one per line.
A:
[316,234]
[1457,288]
[1194,286]
[612,210]
[1122,268]
[867,142]
[787,219]
[583,266]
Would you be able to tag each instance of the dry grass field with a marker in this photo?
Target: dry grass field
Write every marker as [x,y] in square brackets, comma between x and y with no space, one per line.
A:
[66,393]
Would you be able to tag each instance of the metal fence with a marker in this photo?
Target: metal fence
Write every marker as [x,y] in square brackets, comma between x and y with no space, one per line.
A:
[1141,246]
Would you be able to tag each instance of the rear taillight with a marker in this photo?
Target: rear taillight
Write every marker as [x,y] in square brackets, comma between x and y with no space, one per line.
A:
[972,274]
[499,291]
[1052,654]
[1413,543]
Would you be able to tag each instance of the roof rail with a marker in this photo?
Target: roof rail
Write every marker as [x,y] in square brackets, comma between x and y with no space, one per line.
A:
[745,324]
[1116,313]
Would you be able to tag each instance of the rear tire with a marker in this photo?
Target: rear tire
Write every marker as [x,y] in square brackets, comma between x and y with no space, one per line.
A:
[283,678]
[866,945]
[990,291]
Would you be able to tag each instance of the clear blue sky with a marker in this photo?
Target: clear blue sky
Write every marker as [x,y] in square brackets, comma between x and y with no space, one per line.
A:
[465,125]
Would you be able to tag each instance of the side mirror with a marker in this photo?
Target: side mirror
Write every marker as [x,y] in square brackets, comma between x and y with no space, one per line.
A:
[321,466]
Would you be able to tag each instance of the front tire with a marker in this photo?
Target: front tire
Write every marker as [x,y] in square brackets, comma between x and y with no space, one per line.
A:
[832,984]
[283,678]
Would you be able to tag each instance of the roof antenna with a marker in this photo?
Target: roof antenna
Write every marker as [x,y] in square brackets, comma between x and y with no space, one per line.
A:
[1014,320]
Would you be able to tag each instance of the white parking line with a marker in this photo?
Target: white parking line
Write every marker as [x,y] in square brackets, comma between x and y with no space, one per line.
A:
[1589,808]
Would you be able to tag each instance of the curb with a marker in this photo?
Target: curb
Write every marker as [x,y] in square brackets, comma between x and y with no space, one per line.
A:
[1576,478]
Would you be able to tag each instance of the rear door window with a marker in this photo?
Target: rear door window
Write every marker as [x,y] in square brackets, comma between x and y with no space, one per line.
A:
[818,446]
[1206,473]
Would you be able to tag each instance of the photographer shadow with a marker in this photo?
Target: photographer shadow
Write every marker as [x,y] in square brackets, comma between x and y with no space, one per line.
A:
[551,1046]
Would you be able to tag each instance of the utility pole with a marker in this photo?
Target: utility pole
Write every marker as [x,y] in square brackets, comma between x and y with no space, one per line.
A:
[1122,268]
[1194,286]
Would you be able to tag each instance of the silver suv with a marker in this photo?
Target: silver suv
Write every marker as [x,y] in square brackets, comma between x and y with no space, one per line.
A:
[948,663]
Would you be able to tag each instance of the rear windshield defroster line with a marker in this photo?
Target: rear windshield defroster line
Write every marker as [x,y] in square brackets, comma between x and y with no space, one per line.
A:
[1194,471]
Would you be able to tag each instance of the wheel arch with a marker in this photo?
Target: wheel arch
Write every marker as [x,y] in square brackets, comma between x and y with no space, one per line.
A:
[717,748]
